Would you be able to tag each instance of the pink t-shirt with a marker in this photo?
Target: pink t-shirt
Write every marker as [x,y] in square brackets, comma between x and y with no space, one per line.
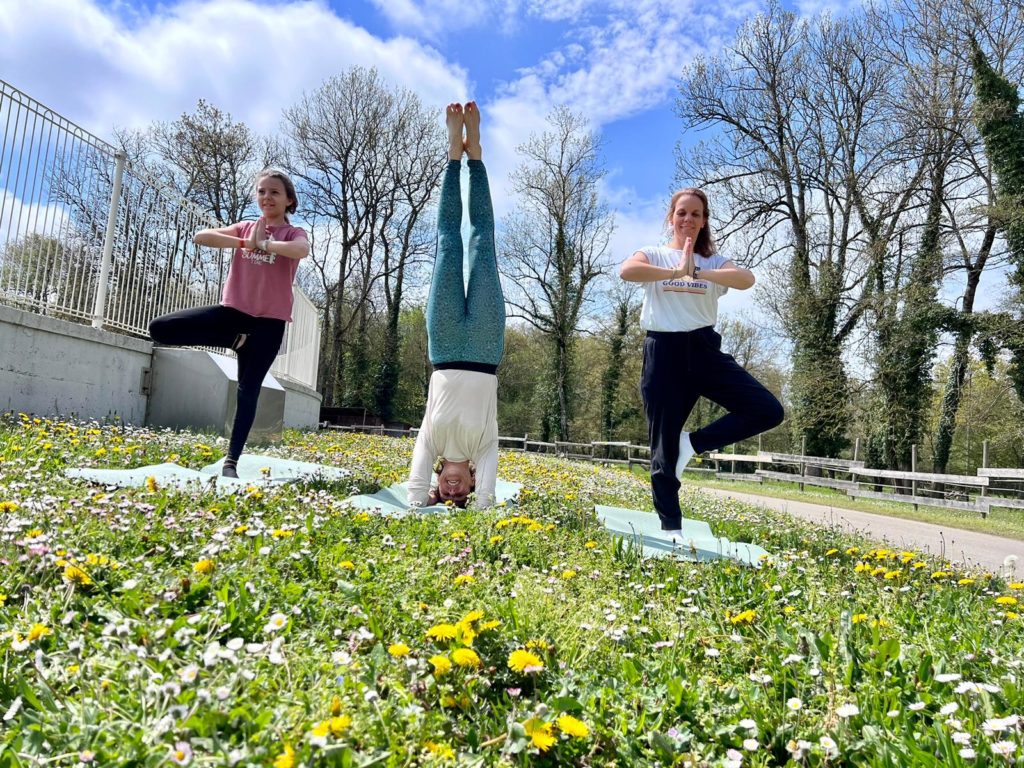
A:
[260,284]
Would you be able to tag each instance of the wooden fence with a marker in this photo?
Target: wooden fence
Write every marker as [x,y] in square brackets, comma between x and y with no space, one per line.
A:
[990,487]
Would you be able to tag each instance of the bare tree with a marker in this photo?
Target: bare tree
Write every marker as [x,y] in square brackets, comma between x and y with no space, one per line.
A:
[358,143]
[554,245]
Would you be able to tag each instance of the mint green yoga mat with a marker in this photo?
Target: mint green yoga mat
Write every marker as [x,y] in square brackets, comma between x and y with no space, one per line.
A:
[252,470]
[392,500]
[697,542]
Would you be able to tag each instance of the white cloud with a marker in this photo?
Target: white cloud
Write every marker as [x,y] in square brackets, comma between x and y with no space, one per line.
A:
[242,56]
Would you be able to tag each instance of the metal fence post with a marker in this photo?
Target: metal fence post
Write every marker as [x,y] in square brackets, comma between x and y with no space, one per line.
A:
[913,468]
[984,461]
[100,307]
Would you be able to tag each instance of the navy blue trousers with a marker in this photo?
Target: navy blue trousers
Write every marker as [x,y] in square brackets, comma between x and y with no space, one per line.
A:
[219,326]
[678,369]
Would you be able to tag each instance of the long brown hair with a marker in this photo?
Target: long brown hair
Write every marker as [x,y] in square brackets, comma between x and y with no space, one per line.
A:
[705,244]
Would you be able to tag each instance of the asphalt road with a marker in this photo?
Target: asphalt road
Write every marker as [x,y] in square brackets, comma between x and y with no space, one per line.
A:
[975,549]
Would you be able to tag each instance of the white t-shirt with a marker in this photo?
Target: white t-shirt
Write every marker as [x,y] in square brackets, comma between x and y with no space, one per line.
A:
[461,422]
[681,304]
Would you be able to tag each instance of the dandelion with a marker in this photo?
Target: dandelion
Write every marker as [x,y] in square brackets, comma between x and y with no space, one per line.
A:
[347,565]
[591,545]
[832,552]
[151,485]
[441,665]
[8,506]
[857,618]
[472,616]
[335,705]
[276,622]
[1006,600]
[940,575]
[443,632]
[75,575]
[496,538]
[204,567]
[744,617]
[522,660]
[570,726]
[440,751]
[568,575]
[539,733]
[398,650]
[37,631]
[286,759]
[489,624]
[965,582]
[466,657]
[464,578]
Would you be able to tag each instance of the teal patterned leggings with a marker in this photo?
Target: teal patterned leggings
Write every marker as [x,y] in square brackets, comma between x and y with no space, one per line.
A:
[465,325]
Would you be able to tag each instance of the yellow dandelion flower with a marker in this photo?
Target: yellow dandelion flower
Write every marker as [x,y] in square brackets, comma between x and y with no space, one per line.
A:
[539,733]
[464,578]
[38,631]
[496,539]
[204,567]
[459,536]
[832,552]
[472,616]
[861,567]
[744,617]
[591,545]
[568,575]
[335,705]
[286,759]
[466,657]
[522,660]
[880,623]
[241,529]
[1017,585]
[879,571]
[75,575]
[441,664]
[321,729]
[940,575]
[151,485]
[440,751]
[570,726]
[890,575]
[35,533]
[965,582]
[857,618]
[3,600]
[919,565]
[466,633]
[398,650]
[443,632]
[489,624]
[1011,615]
[338,725]
[1006,600]
[853,550]
[8,506]
[347,565]
[789,609]
[282,533]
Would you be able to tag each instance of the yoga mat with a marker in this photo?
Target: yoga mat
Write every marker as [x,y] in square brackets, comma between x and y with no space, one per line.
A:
[250,472]
[697,541]
[392,500]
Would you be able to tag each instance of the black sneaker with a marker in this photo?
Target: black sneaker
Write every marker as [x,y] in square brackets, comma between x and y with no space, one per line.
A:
[229,470]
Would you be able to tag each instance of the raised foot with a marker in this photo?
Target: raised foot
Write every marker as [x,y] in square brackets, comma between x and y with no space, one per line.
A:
[472,121]
[454,121]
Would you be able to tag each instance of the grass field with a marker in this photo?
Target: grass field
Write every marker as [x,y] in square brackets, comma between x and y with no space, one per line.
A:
[278,627]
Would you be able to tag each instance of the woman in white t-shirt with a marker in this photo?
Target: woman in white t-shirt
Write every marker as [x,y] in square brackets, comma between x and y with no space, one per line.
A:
[683,360]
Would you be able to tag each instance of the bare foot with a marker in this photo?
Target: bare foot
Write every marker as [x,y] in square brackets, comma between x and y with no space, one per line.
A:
[472,120]
[454,120]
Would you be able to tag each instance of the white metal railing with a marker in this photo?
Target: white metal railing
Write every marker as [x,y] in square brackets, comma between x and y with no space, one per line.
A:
[86,237]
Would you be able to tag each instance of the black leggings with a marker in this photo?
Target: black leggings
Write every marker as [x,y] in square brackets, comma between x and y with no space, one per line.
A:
[220,326]
[678,369]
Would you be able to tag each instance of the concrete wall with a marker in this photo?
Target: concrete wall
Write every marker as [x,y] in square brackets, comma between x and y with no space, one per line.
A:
[55,368]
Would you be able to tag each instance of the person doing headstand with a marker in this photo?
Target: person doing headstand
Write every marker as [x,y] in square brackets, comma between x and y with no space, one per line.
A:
[683,359]
[465,336]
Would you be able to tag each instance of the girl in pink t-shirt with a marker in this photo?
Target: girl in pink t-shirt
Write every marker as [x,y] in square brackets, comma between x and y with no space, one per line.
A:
[257,299]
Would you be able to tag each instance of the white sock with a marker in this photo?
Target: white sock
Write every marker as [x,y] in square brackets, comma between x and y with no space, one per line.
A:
[685,453]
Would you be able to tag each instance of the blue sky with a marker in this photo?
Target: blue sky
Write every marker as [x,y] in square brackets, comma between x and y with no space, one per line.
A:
[128,63]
